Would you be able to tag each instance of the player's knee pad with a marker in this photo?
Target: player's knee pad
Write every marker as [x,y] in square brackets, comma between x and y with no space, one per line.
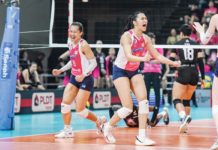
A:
[186,103]
[84,113]
[143,107]
[177,101]
[124,112]
[65,108]
[215,111]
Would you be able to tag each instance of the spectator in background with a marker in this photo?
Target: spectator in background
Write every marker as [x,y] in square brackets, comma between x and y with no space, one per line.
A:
[152,77]
[109,66]
[39,60]
[173,38]
[30,76]
[194,10]
[100,71]
[211,10]
[24,60]
[20,86]
[202,4]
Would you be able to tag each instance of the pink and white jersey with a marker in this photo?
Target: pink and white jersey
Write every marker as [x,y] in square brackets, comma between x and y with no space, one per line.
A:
[77,58]
[138,49]
[149,67]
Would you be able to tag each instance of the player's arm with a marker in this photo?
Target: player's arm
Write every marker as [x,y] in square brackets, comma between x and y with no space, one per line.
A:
[66,67]
[205,37]
[64,55]
[90,56]
[158,56]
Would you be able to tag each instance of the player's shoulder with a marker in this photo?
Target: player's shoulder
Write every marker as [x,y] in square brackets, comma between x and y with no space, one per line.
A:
[83,42]
[125,36]
[145,36]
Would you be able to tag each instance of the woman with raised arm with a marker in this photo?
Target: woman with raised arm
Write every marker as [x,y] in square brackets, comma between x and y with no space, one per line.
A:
[205,37]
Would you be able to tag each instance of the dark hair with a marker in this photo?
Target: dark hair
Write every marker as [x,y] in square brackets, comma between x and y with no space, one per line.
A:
[78,24]
[131,18]
[151,35]
[33,63]
[186,29]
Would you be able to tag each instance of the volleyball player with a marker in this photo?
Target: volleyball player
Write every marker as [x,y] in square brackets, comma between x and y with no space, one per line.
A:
[205,37]
[126,77]
[187,79]
[82,63]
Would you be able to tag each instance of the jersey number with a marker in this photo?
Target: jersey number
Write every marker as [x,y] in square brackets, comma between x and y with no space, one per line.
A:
[188,53]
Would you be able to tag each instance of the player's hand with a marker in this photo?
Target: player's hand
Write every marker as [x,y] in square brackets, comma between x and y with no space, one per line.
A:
[56,72]
[147,57]
[202,84]
[176,64]
[198,27]
[80,78]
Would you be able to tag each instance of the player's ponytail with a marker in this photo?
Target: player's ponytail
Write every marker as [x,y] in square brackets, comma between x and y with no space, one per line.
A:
[131,18]
[129,24]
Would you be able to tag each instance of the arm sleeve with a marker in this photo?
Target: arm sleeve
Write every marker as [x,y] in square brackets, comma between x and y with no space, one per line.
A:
[66,67]
[91,67]
[201,67]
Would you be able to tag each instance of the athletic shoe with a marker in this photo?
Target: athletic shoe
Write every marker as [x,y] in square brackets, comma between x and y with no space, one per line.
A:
[144,142]
[166,118]
[65,133]
[107,133]
[156,121]
[215,146]
[183,127]
[101,120]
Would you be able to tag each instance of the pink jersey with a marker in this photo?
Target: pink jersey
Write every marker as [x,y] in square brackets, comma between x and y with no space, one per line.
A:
[138,49]
[77,58]
[150,67]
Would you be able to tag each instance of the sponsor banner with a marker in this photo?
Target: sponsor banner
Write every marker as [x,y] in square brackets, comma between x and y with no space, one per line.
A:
[43,102]
[17,103]
[6,60]
[203,97]
[102,99]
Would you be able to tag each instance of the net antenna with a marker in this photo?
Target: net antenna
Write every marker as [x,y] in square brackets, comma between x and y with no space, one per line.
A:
[70,21]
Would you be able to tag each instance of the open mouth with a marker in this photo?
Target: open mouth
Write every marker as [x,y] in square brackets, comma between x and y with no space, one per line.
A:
[144,25]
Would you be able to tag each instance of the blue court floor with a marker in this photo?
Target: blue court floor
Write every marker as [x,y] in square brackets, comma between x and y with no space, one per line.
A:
[45,123]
